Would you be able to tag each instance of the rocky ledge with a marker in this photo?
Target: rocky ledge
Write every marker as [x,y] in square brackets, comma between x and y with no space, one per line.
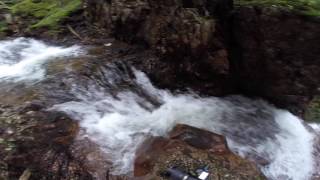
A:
[263,49]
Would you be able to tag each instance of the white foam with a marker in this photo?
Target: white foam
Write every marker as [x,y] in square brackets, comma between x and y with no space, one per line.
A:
[253,129]
[315,126]
[23,58]
[292,154]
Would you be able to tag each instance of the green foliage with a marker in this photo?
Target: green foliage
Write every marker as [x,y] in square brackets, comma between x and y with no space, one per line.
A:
[306,7]
[3,26]
[48,13]
[3,6]
[313,111]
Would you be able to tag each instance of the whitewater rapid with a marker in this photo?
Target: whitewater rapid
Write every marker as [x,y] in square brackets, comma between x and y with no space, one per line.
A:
[254,129]
[23,58]
[119,121]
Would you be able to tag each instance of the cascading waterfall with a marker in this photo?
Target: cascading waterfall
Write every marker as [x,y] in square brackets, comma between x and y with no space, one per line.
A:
[254,129]
[22,58]
[120,121]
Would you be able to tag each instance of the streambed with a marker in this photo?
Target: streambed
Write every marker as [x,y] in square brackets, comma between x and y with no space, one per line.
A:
[117,108]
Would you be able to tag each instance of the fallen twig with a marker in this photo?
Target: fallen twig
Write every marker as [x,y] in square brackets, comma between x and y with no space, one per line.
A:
[74,32]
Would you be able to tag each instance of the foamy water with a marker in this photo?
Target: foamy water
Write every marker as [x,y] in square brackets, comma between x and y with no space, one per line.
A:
[23,58]
[254,129]
[119,122]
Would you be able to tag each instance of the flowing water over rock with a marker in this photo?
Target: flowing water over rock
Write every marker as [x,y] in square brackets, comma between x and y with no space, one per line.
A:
[117,107]
[22,59]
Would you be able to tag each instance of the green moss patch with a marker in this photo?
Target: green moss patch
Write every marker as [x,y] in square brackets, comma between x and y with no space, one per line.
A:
[3,26]
[48,13]
[306,7]
[313,111]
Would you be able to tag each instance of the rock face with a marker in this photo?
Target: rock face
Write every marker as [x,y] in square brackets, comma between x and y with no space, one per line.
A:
[34,144]
[217,49]
[279,56]
[190,148]
[184,33]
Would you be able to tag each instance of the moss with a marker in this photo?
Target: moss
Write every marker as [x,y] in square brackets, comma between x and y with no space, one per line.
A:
[306,7]
[48,13]
[3,26]
[313,111]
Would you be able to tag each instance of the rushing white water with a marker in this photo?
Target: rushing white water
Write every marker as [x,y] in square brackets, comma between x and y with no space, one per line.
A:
[254,129]
[120,121]
[22,58]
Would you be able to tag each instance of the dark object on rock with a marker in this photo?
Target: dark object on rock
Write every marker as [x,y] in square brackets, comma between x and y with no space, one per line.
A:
[176,174]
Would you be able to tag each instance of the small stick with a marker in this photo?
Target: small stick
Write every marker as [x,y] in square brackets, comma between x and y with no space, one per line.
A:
[74,32]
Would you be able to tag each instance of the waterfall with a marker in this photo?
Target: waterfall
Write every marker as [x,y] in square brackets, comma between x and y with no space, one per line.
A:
[22,58]
[254,129]
[122,108]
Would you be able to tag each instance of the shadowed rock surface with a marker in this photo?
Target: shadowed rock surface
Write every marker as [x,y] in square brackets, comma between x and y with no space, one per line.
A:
[218,48]
[278,55]
[190,148]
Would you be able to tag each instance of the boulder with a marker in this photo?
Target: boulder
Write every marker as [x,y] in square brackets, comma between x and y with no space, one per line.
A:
[277,55]
[190,148]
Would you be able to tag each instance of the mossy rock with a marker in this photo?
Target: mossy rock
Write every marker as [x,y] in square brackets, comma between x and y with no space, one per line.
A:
[313,111]
[305,7]
[48,13]
[3,26]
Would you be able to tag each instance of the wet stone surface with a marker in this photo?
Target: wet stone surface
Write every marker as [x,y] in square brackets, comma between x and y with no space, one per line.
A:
[188,149]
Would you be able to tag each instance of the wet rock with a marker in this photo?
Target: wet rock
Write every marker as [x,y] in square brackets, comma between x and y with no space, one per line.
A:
[190,148]
[93,159]
[200,139]
[32,106]
[277,56]
[186,36]
[217,49]
[38,142]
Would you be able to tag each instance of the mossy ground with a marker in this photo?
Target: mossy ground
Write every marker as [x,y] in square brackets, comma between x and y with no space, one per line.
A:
[48,13]
[306,7]
[313,112]
[3,26]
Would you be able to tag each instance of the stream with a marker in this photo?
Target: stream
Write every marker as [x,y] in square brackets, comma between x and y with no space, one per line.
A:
[117,107]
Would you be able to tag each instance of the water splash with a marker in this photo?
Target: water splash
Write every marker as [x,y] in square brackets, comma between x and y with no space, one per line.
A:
[120,120]
[23,58]
[254,129]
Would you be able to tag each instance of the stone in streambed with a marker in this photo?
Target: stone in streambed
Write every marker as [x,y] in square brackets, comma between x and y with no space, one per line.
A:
[190,148]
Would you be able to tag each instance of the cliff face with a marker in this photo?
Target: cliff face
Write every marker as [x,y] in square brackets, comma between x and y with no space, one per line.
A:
[186,36]
[218,49]
[279,54]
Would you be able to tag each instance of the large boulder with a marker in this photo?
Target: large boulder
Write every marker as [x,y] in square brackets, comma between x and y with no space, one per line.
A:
[277,54]
[189,148]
